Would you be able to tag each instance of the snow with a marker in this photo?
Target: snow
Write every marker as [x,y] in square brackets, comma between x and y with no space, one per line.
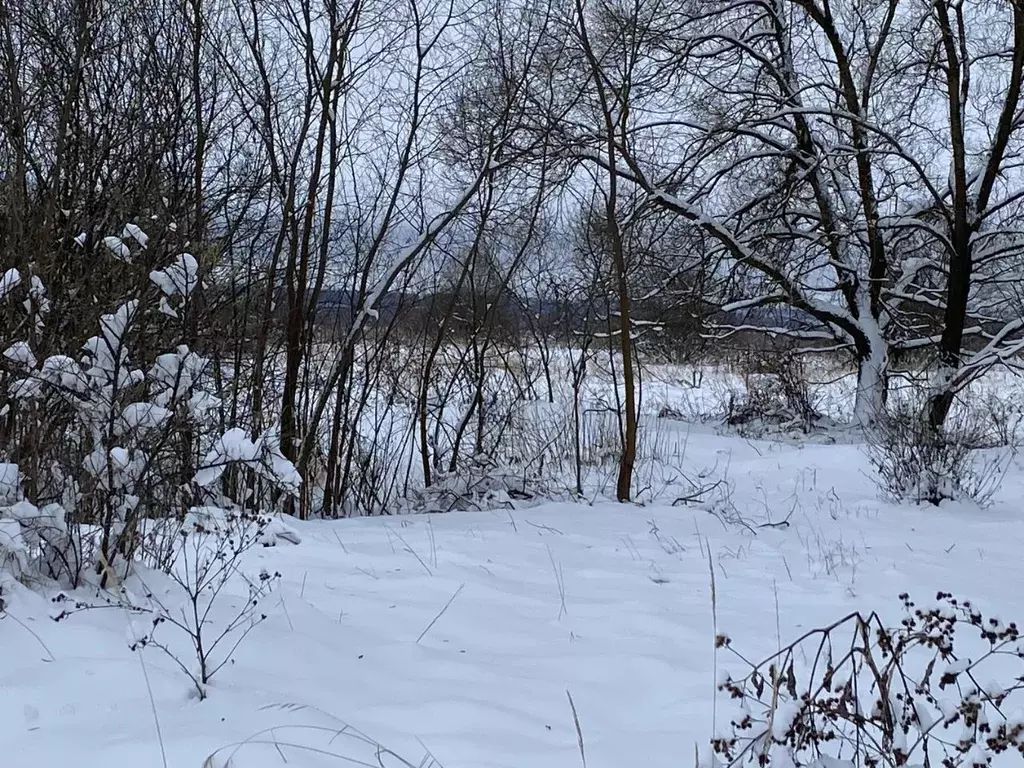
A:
[64,372]
[135,232]
[202,402]
[10,483]
[9,280]
[143,416]
[166,308]
[180,278]
[117,248]
[12,546]
[24,389]
[263,454]
[462,633]
[21,353]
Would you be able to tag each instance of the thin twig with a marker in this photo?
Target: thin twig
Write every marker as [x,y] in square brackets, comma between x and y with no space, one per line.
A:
[714,629]
[152,706]
[547,528]
[410,550]
[446,605]
[579,730]
[32,632]
[559,582]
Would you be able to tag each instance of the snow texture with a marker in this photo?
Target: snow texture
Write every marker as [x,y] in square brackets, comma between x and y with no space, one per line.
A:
[180,278]
[133,231]
[10,483]
[9,280]
[21,353]
[461,633]
[117,248]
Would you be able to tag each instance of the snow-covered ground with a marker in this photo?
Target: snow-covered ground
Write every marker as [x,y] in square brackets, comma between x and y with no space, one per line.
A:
[462,636]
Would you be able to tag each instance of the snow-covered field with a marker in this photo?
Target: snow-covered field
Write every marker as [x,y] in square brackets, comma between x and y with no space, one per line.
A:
[461,637]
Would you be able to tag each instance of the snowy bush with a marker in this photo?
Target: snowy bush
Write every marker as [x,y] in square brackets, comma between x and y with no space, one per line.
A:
[479,485]
[196,592]
[29,536]
[114,456]
[777,398]
[939,689]
[103,443]
[915,462]
[1005,417]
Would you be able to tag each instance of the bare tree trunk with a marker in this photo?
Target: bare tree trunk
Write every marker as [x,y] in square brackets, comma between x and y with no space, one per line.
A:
[968,209]
[623,485]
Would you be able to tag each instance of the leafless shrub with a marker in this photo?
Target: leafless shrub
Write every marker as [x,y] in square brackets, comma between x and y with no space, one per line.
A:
[212,544]
[777,398]
[915,462]
[1005,417]
[483,484]
[206,564]
[332,741]
[861,693]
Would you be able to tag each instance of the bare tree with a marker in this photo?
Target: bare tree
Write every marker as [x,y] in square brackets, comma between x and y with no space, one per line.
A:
[801,139]
[976,53]
[611,83]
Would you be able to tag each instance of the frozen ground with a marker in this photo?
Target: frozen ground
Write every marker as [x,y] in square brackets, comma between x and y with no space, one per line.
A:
[610,603]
